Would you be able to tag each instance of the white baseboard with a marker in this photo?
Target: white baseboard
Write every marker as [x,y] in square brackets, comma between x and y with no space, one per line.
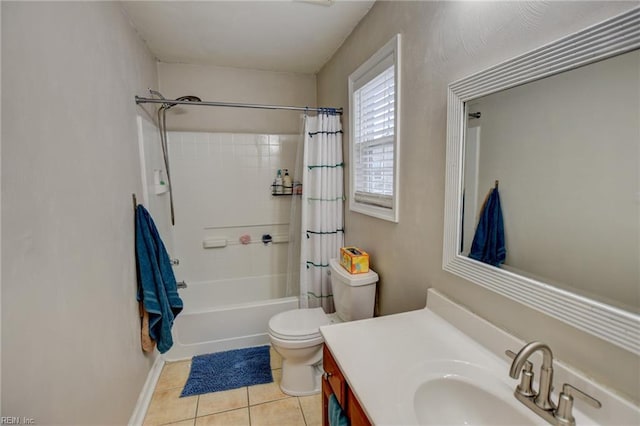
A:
[140,410]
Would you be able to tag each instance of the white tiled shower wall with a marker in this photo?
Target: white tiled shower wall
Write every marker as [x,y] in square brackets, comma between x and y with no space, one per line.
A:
[222,190]
[150,160]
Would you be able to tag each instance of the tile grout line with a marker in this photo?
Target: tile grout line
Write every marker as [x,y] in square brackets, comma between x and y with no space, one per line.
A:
[304,418]
[272,400]
[248,404]
[195,415]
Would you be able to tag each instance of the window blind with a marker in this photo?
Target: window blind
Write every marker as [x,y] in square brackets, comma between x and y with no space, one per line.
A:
[374,135]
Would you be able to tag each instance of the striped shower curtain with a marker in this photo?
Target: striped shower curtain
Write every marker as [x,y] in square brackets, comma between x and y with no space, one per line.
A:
[321,214]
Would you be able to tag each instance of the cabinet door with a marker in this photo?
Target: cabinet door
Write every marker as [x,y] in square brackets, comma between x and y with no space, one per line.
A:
[334,382]
[334,377]
[326,393]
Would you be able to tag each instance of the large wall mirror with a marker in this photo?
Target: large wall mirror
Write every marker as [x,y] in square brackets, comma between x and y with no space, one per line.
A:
[559,129]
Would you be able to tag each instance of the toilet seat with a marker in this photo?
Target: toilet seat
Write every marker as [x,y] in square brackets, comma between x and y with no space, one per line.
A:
[296,344]
[299,325]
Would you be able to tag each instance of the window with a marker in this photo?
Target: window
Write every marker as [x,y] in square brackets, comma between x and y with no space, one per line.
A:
[374,140]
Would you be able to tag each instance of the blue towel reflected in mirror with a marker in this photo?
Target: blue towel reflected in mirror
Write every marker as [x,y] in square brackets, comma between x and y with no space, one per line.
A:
[488,242]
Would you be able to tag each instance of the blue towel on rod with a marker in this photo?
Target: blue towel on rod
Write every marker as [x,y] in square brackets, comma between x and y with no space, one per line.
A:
[488,242]
[337,417]
[157,287]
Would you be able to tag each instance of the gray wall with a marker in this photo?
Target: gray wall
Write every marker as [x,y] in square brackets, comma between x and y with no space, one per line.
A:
[222,84]
[443,42]
[70,328]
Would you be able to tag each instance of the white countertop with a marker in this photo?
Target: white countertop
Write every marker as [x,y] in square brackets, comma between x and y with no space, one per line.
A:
[380,358]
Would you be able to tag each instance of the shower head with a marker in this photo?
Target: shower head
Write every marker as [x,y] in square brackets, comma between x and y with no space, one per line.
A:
[188,98]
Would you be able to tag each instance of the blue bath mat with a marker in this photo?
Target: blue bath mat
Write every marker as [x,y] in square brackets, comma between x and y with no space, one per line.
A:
[228,370]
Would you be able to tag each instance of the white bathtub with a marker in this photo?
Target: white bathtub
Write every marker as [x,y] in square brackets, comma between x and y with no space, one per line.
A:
[227,314]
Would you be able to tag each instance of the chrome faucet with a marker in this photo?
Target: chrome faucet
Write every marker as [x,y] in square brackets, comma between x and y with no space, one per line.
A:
[540,402]
[542,399]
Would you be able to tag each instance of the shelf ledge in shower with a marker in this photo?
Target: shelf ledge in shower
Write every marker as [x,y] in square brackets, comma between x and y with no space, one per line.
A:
[224,242]
[218,243]
[255,225]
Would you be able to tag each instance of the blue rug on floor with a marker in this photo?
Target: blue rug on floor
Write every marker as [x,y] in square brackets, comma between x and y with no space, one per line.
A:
[228,370]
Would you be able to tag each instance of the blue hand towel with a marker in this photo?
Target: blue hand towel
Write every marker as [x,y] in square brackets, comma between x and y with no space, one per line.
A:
[488,242]
[157,285]
[337,417]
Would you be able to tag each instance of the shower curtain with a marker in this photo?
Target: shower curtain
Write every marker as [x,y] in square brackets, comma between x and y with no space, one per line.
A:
[322,208]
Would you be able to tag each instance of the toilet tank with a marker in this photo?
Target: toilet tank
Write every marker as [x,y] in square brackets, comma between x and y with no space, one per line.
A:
[354,295]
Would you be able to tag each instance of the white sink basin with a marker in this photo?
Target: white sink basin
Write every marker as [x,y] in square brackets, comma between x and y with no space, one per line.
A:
[451,401]
[453,392]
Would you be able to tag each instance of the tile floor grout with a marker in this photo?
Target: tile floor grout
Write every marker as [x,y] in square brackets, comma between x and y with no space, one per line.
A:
[248,402]
[304,418]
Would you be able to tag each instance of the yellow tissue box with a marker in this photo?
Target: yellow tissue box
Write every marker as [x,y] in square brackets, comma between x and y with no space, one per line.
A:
[354,260]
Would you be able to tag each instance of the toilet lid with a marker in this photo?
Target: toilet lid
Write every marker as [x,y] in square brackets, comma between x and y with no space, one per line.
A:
[353,280]
[298,324]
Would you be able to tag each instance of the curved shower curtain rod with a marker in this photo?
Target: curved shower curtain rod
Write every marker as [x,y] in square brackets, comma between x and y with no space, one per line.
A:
[140,100]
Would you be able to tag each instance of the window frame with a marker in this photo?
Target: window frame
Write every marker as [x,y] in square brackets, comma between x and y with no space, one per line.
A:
[367,72]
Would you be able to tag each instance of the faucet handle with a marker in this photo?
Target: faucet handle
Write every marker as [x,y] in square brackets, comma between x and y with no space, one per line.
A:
[524,388]
[571,391]
[564,413]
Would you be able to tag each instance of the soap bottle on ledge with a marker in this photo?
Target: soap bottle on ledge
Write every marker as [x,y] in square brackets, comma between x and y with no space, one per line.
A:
[277,185]
[286,182]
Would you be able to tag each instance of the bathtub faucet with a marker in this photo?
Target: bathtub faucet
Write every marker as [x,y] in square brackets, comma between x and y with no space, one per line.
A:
[181,284]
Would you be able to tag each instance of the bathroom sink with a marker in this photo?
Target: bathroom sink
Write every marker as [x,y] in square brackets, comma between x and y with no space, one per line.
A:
[451,401]
[451,392]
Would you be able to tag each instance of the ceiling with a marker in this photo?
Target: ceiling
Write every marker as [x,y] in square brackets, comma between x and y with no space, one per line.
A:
[286,35]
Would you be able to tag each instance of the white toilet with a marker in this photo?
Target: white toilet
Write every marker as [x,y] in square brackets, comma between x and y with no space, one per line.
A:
[295,334]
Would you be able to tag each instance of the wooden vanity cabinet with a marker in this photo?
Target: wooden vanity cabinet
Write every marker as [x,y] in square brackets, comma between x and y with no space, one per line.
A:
[333,382]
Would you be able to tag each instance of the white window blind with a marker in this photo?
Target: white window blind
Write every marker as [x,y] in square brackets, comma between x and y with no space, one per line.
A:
[374,139]
[374,133]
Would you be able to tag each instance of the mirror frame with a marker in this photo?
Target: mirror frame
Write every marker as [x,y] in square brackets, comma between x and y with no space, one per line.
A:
[608,38]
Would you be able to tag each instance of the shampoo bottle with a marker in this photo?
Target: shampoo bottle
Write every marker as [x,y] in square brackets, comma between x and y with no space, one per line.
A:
[286,182]
[278,188]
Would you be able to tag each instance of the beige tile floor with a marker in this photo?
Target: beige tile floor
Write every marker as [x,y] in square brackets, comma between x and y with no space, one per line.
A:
[249,406]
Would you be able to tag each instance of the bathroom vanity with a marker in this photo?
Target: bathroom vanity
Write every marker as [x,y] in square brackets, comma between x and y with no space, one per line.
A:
[443,365]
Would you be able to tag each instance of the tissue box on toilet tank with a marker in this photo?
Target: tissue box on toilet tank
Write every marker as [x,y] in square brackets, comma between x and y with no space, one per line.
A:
[354,260]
